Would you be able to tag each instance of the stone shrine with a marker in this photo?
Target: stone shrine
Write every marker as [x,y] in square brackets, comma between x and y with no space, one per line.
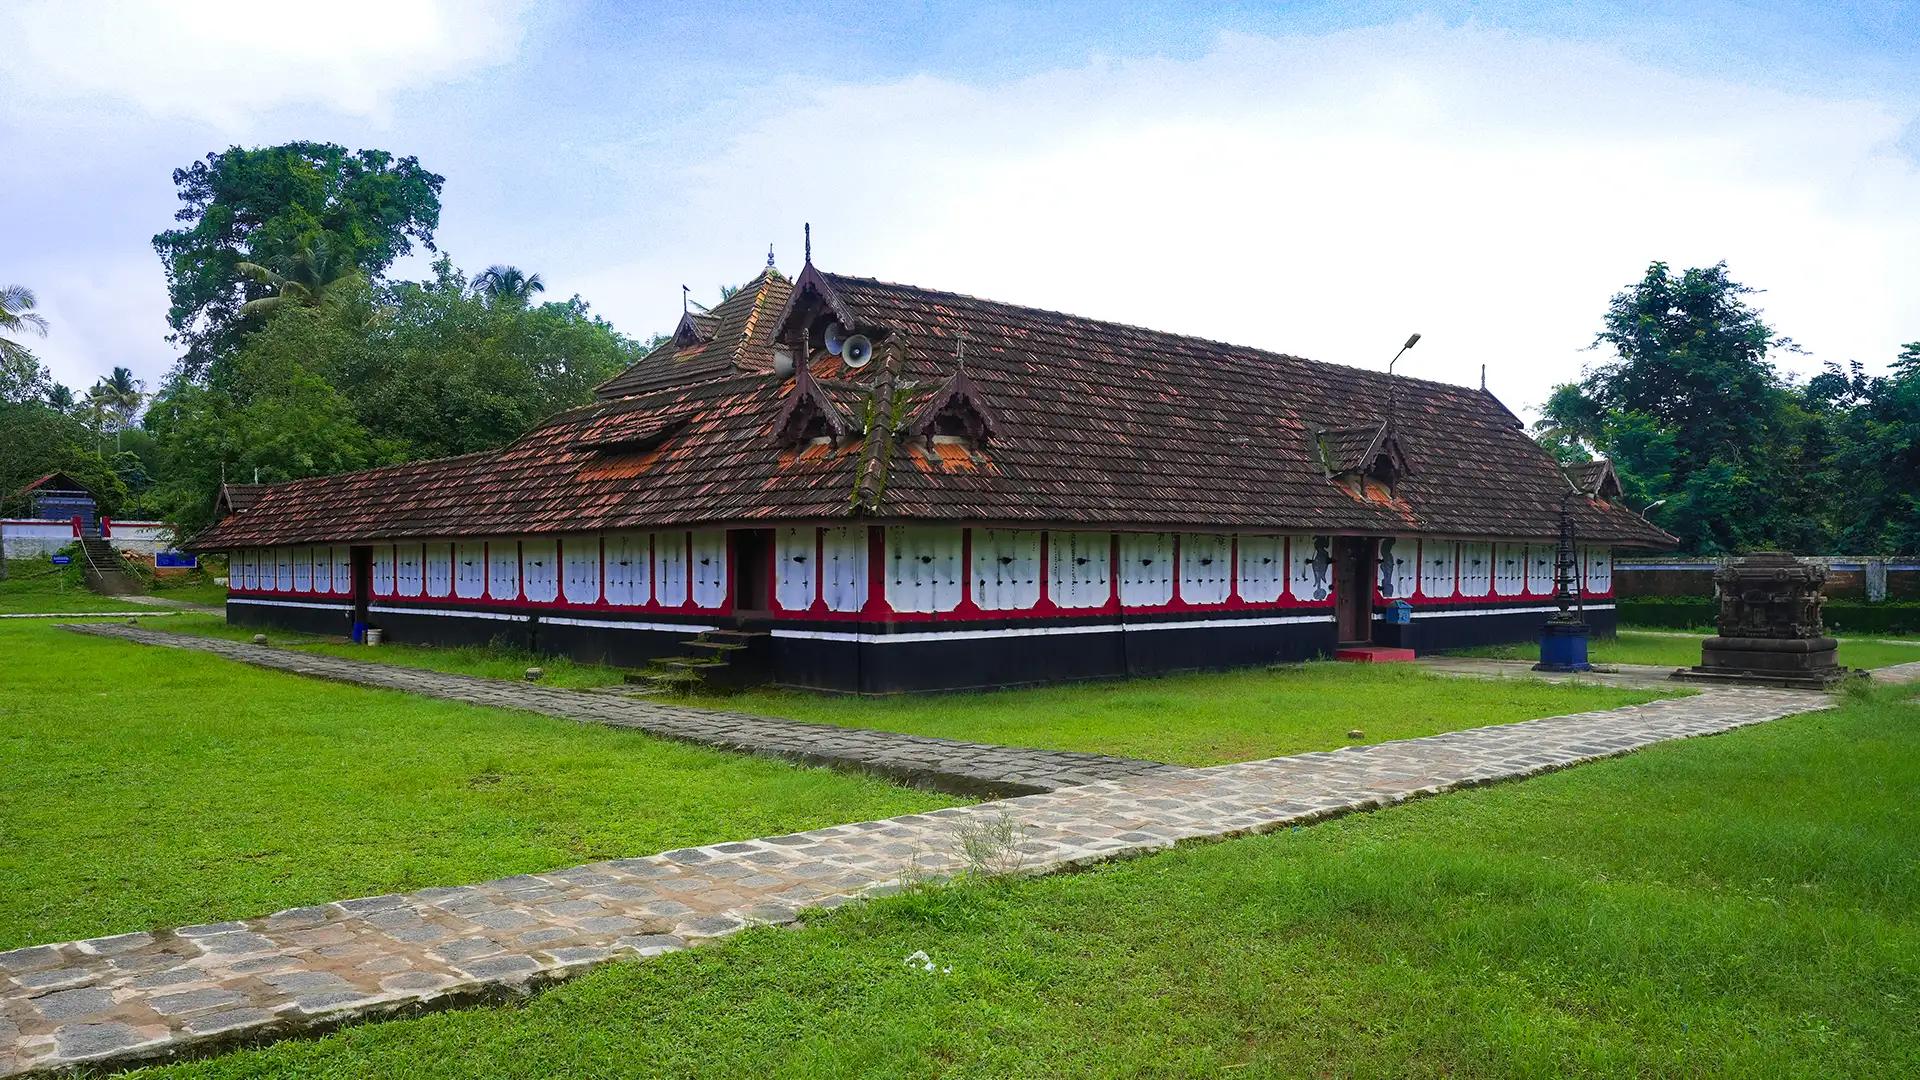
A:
[1770,627]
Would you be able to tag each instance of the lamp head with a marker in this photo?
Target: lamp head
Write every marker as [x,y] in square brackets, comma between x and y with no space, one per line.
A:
[1412,340]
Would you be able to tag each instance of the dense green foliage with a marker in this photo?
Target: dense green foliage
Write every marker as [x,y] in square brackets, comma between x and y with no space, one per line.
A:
[375,374]
[1692,411]
[1853,616]
[1681,648]
[283,208]
[1745,905]
[146,788]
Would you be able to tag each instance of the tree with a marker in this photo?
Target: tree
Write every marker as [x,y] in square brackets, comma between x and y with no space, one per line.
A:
[498,283]
[59,398]
[115,400]
[17,317]
[375,374]
[312,272]
[1691,409]
[266,206]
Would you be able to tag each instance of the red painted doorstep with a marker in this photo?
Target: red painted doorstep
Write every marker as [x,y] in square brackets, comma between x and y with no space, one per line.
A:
[1373,654]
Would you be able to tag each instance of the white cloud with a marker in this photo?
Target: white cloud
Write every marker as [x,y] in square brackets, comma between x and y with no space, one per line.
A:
[226,61]
[1326,195]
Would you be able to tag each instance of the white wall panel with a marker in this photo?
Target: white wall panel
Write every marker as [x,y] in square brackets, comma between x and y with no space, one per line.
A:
[1006,569]
[303,569]
[540,570]
[1476,569]
[470,570]
[796,567]
[249,576]
[1399,567]
[1262,571]
[503,569]
[843,567]
[437,569]
[409,570]
[1509,569]
[1309,567]
[1079,569]
[580,565]
[383,570]
[670,568]
[341,559]
[1206,567]
[709,568]
[1146,569]
[283,569]
[629,569]
[923,568]
[1599,563]
[1437,563]
[1540,558]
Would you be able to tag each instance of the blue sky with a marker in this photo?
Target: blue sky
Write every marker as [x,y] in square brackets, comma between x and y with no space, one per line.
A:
[1312,178]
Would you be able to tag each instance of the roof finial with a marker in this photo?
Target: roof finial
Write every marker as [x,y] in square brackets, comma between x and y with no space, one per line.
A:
[960,351]
[769,256]
[1483,378]
[685,295]
[809,233]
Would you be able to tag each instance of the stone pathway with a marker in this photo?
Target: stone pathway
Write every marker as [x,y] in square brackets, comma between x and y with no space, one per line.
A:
[1637,676]
[119,1000]
[949,765]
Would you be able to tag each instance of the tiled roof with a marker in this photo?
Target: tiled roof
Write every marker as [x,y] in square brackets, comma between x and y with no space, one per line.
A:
[1594,478]
[1093,423]
[721,352]
[236,498]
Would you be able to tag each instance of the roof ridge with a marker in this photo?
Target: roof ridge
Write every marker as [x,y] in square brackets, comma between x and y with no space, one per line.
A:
[1254,350]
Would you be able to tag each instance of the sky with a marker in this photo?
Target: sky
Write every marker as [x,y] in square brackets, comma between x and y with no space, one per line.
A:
[1316,179]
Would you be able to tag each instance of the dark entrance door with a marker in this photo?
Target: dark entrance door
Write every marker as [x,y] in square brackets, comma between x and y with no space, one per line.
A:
[1353,574]
[753,571]
[362,558]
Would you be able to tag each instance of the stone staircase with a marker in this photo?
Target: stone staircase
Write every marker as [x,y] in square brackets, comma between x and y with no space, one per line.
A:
[105,571]
[713,661]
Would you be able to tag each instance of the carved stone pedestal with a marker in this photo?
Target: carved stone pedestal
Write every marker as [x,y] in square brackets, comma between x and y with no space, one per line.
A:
[1770,628]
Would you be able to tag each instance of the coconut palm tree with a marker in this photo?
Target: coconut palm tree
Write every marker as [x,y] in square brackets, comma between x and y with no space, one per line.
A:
[508,283]
[115,400]
[311,274]
[18,317]
[59,398]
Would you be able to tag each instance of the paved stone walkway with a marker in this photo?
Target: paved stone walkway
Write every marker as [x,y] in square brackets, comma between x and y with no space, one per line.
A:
[1636,676]
[119,1000]
[964,768]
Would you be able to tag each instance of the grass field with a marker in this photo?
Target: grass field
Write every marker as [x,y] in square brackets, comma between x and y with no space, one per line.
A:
[487,661]
[144,788]
[1210,718]
[1664,649]
[1743,905]
[1202,719]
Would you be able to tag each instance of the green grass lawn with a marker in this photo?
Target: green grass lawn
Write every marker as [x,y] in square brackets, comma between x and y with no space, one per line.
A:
[1663,649]
[1743,905]
[487,661]
[1201,719]
[142,787]
[34,585]
[1207,719]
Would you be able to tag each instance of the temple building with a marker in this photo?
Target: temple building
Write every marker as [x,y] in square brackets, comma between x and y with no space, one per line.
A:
[876,488]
